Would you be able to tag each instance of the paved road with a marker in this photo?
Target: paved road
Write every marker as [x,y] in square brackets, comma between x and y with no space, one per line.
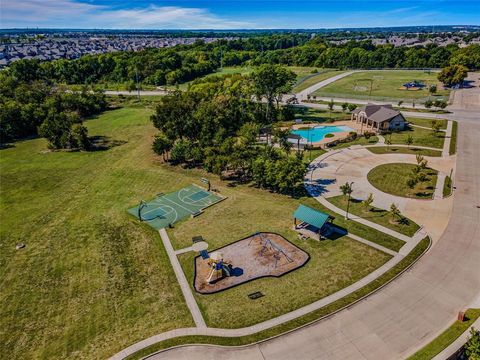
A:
[302,95]
[135,93]
[408,313]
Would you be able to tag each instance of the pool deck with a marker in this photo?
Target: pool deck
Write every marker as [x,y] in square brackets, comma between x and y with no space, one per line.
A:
[336,136]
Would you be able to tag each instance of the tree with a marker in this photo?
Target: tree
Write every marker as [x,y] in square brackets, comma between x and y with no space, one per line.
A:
[179,153]
[162,145]
[436,127]
[394,211]
[419,158]
[441,104]
[400,103]
[472,347]
[57,129]
[351,107]
[80,137]
[271,82]
[345,106]
[368,202]
[432,89]
[409,141]
[453,75]
[331,104]
[174,115]
[388,142]
[346,189]
[281,138]
[428,104]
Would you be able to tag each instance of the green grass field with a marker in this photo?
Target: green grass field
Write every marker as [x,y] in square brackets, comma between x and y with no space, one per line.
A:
[392,179]
[390,275]
[403,150]
[421,137]
[92,279]
[384,85]
[427,122]
[334,264]
[312,115]
[302,72]
[306,80]
[376,215]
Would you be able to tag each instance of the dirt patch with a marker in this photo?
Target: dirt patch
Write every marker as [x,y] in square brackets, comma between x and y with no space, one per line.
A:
[259,255]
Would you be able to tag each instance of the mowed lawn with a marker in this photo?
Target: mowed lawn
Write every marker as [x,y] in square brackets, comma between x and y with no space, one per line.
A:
[420,136]
[384,84]
[305,80]
[91,280]
[392,179]
[334,264]
[392,149]
[302,72]
[376,215]
[427,122]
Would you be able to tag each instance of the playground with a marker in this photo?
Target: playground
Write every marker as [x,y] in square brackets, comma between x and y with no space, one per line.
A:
[259,255]
[167,209]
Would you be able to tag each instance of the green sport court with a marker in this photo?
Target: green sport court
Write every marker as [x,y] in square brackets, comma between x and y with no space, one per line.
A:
[169,208]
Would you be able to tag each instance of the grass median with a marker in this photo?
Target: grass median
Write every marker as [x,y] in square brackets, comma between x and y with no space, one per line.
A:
[380,150]
[447,337]
[453,139]
[392,179]
[379,216]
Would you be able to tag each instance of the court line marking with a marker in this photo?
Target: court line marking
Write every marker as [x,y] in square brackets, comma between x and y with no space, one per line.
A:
[161,206]
[183,207]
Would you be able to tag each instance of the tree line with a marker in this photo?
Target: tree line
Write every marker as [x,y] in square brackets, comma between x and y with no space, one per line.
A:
[216,124]
[183,63]
[30,108]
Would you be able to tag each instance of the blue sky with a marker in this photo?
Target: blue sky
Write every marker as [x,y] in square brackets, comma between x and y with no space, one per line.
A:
[225,14]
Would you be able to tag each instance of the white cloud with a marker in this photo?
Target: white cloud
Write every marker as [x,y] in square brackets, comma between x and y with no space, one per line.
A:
[73,14]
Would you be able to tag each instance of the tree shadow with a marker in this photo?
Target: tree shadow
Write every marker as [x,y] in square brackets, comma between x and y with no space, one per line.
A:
[319,186]
[102,143]
[6,146]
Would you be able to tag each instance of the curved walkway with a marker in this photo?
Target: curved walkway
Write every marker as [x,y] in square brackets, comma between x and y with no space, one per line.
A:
[202,329]
[302,95]
[409,312]
[353,164]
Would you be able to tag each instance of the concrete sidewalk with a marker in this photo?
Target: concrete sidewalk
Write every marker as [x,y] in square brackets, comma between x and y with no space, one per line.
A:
[182,281]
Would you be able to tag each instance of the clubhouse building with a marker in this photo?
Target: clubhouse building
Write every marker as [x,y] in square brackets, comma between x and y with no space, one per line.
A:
[379,118]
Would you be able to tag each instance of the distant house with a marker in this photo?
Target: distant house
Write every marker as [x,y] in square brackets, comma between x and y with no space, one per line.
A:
[379,117]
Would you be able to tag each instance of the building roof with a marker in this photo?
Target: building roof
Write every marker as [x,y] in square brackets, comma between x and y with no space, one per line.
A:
[311,216]
[379,113]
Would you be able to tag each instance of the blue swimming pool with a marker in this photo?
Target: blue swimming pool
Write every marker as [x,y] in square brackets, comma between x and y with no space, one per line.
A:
[318,133]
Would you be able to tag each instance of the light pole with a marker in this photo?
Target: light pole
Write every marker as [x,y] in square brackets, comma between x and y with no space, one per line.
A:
[309,146]
[350,190]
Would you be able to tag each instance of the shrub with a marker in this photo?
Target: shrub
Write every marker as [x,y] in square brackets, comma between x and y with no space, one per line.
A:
[329,135]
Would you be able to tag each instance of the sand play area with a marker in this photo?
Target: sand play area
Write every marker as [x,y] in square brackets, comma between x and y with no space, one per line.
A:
[259,255]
